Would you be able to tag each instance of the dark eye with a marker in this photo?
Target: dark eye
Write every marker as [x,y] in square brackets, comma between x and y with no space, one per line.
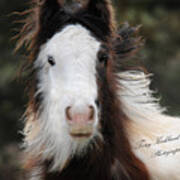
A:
[103,58]
[51,60]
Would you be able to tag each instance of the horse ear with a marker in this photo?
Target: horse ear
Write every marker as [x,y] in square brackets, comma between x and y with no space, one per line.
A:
[50,16]
[48,8]
[51,3]
[103,10]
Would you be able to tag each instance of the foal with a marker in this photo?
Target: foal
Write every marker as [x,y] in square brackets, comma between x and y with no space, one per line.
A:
[88,118]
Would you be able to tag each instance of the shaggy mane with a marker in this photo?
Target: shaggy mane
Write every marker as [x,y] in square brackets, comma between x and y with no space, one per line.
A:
[124,43]
[28,33]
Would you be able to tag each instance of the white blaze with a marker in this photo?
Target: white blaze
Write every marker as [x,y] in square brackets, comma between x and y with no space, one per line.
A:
[70,82]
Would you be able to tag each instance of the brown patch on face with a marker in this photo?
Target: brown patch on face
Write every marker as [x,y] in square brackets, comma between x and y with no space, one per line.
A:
[116,120]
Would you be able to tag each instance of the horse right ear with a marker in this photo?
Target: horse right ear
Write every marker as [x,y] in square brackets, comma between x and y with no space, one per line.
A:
[103,10]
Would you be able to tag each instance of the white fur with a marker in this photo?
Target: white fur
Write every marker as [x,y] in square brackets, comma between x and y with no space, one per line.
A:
[36,174]
[71,82]
[147,123]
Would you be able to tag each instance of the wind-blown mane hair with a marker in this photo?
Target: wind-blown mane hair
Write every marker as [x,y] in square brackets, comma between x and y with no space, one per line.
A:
[110,152]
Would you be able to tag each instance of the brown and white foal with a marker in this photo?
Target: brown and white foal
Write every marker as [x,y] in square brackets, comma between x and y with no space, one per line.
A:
[89,118]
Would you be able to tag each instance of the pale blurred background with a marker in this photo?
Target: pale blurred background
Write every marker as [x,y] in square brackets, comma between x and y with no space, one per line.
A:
[160,21]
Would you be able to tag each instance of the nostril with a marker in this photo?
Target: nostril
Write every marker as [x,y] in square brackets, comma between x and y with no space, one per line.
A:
[68,113]
[91,112]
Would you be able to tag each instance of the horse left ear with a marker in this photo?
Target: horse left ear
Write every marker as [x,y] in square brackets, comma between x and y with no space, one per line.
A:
[48,8]
[50,16]
[102,9]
